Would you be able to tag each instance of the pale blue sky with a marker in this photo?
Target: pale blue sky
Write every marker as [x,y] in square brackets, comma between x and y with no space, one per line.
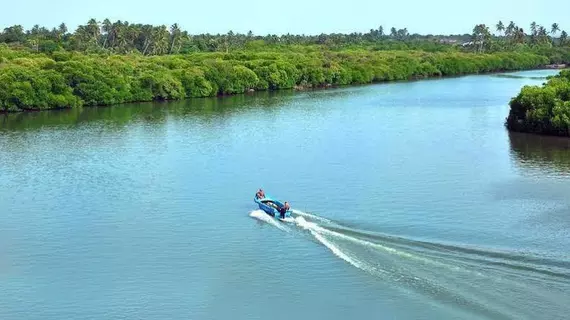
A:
[293,16]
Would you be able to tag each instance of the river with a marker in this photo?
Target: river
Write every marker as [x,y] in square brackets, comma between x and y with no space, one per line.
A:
[411,201]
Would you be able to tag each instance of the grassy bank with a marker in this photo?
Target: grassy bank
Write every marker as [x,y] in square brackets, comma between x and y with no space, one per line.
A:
[543,109]
[62,79]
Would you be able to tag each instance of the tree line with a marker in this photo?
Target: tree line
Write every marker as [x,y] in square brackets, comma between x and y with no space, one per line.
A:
[512,36]
[105,63]
[122,37]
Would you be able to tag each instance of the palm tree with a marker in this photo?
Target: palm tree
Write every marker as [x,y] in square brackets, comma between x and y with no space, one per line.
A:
[481,36]
[534,33]
[93,30]
[542,35]
[511,29]
[533,28]
[161,36]
[132,34]
[563,37]
[121,33]
[500,27]
[61,31]
[146,34]
[554,29]
[184,39]
[107,25]
[174,35]
[519,35]
[62,28]
[403,33]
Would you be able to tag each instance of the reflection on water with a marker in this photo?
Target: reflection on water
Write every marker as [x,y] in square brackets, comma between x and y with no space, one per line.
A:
[148,112]
[531,74]
[513,76]
[543,153]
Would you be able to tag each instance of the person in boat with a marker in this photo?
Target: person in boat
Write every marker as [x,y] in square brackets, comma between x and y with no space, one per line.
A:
[260,194]
[284,209]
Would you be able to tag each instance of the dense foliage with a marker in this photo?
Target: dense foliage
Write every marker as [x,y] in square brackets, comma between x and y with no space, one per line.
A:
[543,110]
[104,63]
[66,79]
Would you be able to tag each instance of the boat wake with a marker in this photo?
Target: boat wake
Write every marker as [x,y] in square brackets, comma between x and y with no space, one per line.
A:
[473,280]
[262,216]
[299,213]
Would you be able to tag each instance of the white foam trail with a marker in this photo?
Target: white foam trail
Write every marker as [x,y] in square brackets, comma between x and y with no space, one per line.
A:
[429,280]
[316,229]
[318,232]
[313,227]
[358,264]
[301,222]
[312,216]
[261,215]
[289,219]
[376,246]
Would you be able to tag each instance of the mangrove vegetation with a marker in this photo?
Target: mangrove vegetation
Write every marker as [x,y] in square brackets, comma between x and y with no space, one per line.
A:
[543,110]
[106,63]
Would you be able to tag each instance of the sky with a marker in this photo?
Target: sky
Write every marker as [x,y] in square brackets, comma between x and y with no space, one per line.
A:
[292,16]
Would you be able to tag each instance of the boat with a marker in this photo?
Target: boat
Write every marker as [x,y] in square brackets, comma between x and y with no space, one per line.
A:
[271,206]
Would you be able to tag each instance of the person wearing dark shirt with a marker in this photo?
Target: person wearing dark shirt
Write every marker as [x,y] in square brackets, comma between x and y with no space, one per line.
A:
[284,209]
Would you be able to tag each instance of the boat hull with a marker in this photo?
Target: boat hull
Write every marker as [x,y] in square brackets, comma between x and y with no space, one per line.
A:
[271,206]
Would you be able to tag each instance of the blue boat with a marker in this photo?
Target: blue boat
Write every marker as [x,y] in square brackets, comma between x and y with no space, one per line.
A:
[271,206]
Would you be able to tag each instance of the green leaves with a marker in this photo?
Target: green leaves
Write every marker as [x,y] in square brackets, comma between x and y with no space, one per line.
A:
[26,87]
[67,80]
[544,110]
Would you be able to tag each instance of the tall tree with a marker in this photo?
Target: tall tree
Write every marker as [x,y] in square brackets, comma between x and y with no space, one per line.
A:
[14,34]
[93,30]
[481,36]
[511,28]
[60,32]
[402,33]
[542,36]
[174,35]
[554,29]
[146,35]
[500,27]
[533,28]
[563,38]
[533,33]
[519,35]
[62,28]
[106,28]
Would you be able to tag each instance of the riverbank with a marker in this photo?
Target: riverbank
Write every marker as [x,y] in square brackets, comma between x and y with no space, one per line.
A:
[30,82]
[556,66]
[542,110]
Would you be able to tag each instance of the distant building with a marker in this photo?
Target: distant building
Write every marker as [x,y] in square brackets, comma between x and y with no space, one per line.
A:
[448,41]
[471,43]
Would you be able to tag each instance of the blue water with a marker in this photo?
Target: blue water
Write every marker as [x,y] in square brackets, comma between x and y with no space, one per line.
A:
[411,201]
